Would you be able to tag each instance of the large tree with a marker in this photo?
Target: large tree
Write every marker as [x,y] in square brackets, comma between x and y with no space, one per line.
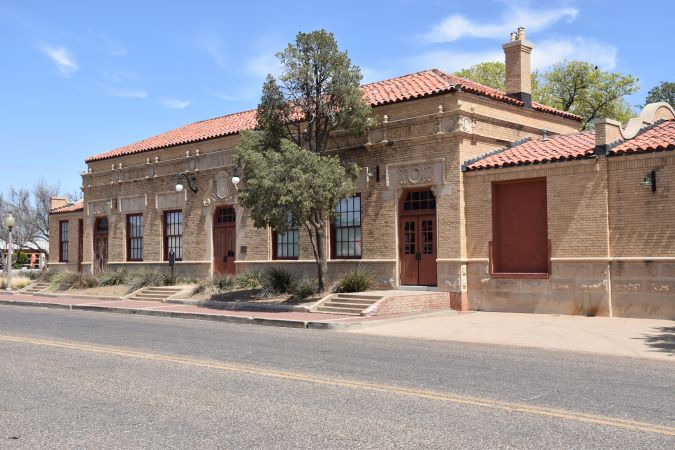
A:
[289,185]
[664,92]
[30,207]
[317,92]
[286,171]
[574,86]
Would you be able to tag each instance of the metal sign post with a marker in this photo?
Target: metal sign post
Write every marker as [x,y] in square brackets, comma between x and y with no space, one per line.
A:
[172,263]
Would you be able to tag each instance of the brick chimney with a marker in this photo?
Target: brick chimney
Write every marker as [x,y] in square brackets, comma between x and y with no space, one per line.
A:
[607,131]
[58,202]
[517,59]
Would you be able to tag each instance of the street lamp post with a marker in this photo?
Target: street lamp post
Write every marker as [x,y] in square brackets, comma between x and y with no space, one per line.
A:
[9,223]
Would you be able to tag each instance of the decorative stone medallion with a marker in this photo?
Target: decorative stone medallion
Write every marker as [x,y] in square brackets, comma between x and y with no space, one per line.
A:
[416,172]
[220,188]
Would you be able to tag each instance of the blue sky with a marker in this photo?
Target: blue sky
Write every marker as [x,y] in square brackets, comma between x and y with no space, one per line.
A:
[83,77]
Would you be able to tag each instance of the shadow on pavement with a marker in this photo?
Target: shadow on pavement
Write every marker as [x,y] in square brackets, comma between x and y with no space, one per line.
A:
[664,341]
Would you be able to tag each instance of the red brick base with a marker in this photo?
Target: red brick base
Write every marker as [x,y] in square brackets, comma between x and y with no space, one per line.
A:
[459,301]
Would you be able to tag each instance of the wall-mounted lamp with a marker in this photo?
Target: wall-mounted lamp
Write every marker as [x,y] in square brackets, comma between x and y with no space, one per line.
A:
[191,180]
[235,178]
[373,173]
[649,180]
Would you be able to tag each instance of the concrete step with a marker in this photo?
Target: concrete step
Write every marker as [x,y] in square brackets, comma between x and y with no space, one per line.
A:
[331,310]
[39,287]
[360,296]
[346,304]
[356,301]
[146,299]
[142,296]
[163,290]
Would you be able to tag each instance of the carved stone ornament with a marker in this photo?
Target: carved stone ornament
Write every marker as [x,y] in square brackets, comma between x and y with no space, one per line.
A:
[220,188]
[416,172]
[466,124]
[98,207]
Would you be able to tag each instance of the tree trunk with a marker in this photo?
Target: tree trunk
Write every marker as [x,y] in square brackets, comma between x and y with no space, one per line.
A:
[322,262]
[317,237]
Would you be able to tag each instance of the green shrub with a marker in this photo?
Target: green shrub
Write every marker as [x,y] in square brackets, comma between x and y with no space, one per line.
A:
[280,280]
[217,285]
[113,277]
[355,280]
[305,288]
[87,281]
[22,259]
[251,279]
[64,281]
[145,278]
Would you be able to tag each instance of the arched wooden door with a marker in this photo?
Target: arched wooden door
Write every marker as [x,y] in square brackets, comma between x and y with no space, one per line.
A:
[417,238]
[100,243]
[224,240]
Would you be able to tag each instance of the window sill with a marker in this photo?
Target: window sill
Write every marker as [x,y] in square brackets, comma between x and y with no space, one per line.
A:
[521,276]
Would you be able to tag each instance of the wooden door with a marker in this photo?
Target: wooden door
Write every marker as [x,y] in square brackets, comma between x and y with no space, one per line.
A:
[417,238]
[100,244]
[224,241]
[408,251]
[426,226]
[80,241]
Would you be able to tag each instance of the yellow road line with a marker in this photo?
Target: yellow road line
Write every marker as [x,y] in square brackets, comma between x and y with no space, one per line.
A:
[353,384]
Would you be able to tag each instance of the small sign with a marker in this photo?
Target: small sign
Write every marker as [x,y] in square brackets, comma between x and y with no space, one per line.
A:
[172,258]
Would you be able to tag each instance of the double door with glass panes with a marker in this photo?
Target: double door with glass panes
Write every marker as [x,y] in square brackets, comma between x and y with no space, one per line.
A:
[417,239]
[224,240]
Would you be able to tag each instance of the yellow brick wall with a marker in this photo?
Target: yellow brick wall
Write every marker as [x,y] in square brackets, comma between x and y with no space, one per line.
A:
[642,222]
[73,239]
[576,201]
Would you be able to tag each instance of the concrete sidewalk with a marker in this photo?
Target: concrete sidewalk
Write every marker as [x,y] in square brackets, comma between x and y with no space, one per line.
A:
[641,338]
[294,319]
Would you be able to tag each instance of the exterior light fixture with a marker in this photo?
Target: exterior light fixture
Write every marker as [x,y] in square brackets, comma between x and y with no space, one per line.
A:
[649,180]
[191,180]
[235,178]
[10,221]
[370,172]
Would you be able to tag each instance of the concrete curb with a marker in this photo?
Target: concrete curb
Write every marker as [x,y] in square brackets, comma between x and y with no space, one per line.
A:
[250,320]
[239,306]
[77,296]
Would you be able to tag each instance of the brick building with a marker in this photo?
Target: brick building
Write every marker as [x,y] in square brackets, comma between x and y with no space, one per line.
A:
[423,215]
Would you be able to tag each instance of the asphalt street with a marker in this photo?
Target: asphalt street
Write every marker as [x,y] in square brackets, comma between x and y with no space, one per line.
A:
[95,380]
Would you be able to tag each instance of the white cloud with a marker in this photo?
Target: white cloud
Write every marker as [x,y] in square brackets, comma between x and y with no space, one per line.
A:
[174,103]
[129,93]
[551,51]
[458,26]
[545,54]
[221,95]
[63,58]
[213,46]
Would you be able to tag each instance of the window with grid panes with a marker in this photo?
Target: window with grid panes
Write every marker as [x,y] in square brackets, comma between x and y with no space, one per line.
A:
[347,228]
[63,241]
[173,234]
[135,237]
[286,244]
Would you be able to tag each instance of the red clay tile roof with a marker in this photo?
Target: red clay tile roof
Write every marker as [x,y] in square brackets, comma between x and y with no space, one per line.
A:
[555,148]
[656,138]
[73,207]
[407,87]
